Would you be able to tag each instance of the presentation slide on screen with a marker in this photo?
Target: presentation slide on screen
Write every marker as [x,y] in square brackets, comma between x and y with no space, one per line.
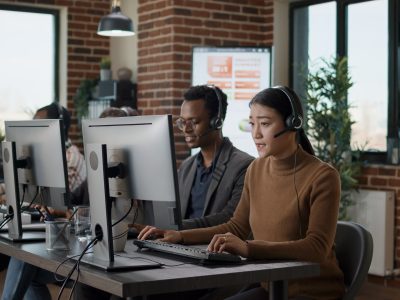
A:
[240,73]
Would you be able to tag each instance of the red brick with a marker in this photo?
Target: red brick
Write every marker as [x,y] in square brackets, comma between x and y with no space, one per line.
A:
[375,181]
[166,38]
[387,171]
[363,180]
[369,171]
[394,182]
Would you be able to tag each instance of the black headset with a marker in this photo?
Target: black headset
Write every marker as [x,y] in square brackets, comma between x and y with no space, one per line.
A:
[216,122]
[294,121]
[60,111]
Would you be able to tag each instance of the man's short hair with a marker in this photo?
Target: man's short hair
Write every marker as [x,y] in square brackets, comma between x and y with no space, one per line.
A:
[208,94]
[113,112]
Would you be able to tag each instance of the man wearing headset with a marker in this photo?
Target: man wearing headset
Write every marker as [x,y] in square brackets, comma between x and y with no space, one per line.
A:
[211,181]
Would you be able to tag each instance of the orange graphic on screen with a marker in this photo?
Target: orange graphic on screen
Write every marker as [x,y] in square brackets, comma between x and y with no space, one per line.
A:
[247,85]
[219,66]
[247,74]
[221,84]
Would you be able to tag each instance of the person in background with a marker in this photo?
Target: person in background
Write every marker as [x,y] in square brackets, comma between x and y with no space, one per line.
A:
[131,112]
[290,203]
[26,281]
[75,161]
[211,181]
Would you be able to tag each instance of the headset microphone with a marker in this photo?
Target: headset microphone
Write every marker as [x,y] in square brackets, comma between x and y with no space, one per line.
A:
[281,132]
[206,132]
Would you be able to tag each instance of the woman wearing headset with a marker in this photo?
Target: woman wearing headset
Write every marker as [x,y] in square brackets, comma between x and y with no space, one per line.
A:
[290,202]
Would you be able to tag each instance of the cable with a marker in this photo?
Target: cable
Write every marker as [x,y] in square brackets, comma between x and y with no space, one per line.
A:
[24,208]
[76,266]
[60,279]
[135,215]
[41,196]
[24,187]
[121,235]
[151,260]
[297,194]
[6,220]
[124,216]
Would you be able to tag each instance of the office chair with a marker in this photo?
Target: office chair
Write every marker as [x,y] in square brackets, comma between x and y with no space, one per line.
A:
[354,247]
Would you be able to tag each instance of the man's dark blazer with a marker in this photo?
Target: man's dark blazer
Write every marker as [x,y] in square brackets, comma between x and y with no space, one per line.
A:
[225,188]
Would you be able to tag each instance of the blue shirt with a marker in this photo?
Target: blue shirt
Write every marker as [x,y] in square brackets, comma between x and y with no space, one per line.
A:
[200,187]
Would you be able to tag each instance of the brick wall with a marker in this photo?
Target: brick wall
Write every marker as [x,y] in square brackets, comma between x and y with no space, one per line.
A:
[85,47]
[385,177]
[167,30]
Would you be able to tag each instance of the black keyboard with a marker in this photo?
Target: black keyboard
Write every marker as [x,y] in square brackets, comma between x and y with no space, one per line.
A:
[188,251]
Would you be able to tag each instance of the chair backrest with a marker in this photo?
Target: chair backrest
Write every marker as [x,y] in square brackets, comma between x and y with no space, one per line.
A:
[354,246]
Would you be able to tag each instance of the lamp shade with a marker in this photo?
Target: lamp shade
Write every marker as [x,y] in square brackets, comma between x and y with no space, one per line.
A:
[115,24]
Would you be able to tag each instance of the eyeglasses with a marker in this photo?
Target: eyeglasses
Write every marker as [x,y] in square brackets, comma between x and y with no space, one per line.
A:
[181,123]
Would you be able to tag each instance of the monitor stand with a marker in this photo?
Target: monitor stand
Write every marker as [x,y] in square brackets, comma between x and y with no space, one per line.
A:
[100,211]
[10,165]
[30,236]
[119,263]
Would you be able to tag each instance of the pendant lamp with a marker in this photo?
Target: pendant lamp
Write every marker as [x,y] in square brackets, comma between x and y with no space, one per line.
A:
[115,24]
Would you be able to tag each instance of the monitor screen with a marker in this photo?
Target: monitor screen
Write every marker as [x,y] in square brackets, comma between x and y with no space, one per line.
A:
[139,164]
[34,157]
[240,72]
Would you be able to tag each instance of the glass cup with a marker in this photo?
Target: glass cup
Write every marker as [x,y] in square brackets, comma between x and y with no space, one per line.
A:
[57,234]
[82,222]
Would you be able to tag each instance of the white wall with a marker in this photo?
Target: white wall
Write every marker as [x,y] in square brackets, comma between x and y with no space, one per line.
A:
[124,49]
[280,69]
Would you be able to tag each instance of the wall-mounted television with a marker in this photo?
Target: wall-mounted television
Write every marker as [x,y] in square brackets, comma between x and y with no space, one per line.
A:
[240,72]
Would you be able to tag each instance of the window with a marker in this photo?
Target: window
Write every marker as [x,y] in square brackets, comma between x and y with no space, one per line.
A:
[28,60]
[367,51]
[358,29]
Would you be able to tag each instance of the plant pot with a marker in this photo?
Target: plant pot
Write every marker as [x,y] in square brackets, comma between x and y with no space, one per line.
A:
[105,74]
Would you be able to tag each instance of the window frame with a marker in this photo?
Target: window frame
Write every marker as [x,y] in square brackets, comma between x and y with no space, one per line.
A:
[56,43]
[393,113]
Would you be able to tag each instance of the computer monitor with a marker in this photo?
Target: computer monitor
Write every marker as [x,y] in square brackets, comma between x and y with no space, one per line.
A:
[33,158]
[130,157]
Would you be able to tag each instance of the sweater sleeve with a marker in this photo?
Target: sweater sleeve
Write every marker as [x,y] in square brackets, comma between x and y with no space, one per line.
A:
[318,241]
[237,225]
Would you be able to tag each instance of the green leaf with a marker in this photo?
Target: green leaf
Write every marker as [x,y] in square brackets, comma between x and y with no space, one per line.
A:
[329,122]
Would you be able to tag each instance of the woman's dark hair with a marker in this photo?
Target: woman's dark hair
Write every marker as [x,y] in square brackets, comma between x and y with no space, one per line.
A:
[277,99]
[208,94]
[56,111]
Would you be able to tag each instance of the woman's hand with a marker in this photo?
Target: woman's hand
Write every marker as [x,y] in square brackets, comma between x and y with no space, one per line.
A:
[229,243]
[170,236]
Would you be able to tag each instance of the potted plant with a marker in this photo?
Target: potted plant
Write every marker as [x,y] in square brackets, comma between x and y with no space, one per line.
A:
[329,123]
[105,68]
[83,95]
